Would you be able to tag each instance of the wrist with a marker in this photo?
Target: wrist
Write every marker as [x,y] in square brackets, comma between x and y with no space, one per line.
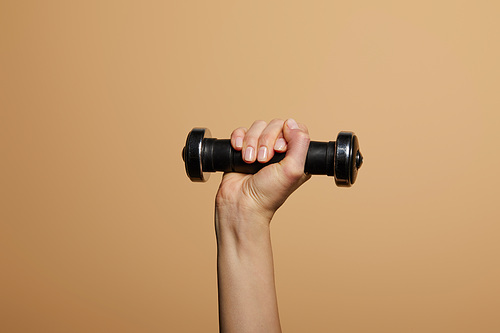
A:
[241,227]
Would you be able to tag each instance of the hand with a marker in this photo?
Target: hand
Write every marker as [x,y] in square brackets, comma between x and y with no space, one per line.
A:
[261,194]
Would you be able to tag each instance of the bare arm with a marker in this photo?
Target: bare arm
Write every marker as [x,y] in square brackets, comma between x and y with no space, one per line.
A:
[245,205]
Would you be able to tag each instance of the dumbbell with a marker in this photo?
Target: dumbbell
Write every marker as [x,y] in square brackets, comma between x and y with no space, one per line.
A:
[204,154]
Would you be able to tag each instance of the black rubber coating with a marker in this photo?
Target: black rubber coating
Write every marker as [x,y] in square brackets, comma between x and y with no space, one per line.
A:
[203,154]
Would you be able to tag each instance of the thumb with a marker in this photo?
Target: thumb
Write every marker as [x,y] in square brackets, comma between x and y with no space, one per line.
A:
[297,137]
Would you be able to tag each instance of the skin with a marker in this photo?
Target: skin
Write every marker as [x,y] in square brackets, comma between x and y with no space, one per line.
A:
[244,207]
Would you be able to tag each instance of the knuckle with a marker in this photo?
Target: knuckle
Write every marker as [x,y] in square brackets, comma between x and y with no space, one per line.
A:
[265,139]
[240,130]
[298,173]
[304,137]
[294,173]
[237,132]
[249,140]
[259,122]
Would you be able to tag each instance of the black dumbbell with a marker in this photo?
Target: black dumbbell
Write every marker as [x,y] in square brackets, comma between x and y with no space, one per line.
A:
[203,154]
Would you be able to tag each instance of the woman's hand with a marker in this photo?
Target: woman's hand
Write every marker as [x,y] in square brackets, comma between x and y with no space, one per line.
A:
[263,193]
[245,205]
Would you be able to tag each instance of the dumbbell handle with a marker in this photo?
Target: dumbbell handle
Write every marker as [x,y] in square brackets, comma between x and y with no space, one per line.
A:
[219,155]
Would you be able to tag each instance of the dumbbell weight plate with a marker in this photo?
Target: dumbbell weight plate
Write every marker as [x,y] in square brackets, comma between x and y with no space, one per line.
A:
[348,159]
[192,154]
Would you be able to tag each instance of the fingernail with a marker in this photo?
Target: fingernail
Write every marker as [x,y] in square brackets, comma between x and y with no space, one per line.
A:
[280,144]
[249,154]
[262,154]
[292,124]
[239,142]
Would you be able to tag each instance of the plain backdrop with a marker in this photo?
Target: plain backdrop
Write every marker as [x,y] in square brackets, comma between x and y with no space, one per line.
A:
[101,230]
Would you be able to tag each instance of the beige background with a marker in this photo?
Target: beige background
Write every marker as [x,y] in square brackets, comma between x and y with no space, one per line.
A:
[101,231]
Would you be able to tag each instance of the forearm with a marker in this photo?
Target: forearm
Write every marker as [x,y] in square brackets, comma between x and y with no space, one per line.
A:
[247,295]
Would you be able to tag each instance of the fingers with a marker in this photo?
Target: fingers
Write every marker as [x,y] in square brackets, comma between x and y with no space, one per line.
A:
[261,140]
[250,141]
[237,138]
[268,139]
